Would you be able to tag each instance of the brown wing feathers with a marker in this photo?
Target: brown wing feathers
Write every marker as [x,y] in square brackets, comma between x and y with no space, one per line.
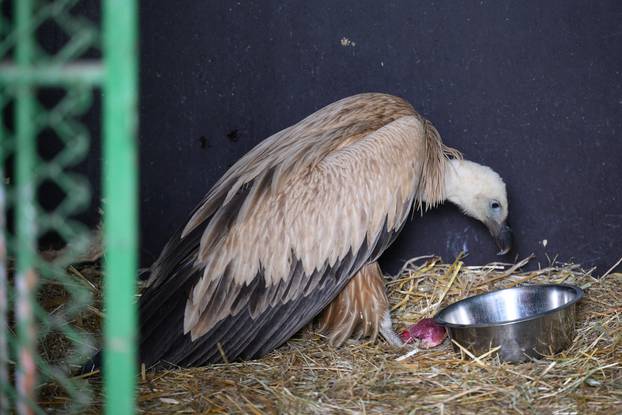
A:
[284,230]
[246,337]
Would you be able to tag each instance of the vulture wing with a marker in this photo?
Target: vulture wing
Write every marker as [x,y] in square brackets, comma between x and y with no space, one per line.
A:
[283,231]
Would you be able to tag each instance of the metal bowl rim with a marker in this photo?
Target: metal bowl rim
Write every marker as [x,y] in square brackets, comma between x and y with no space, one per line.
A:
[579,294]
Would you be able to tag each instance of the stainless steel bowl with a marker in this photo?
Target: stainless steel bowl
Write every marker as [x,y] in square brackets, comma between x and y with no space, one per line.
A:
[529,321]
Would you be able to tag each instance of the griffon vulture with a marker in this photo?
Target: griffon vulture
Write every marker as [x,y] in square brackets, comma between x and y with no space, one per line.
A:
[296,225]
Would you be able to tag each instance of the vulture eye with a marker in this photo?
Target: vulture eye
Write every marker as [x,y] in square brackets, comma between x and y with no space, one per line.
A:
[495,205]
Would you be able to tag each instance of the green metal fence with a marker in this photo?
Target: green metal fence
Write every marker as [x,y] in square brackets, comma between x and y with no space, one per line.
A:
[26,69]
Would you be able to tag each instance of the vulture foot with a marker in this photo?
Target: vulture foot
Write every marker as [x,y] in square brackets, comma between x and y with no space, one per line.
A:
[386,331]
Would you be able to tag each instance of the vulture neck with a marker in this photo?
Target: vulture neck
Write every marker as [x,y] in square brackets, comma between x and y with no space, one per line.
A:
[459,183]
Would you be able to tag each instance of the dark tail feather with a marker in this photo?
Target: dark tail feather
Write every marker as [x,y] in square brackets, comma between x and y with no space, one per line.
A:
[95,362]
[91,365]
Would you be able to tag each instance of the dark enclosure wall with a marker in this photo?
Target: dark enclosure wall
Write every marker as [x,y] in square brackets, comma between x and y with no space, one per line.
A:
[531,88]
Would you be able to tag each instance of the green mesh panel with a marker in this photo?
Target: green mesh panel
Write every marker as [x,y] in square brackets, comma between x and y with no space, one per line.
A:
[32,379]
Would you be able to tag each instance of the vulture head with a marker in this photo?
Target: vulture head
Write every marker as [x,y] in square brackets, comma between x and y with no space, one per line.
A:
[480,193]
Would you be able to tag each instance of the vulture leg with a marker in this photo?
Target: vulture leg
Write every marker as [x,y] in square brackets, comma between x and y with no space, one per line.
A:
[386,330]
[360,310]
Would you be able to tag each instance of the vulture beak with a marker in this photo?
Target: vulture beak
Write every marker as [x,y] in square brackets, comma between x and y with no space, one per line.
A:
[502,234]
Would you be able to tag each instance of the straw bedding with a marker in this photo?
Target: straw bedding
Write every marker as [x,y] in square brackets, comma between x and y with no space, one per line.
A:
[309,376]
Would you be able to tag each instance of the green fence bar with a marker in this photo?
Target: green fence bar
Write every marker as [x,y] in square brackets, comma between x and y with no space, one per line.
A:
[4,286]
[85,73]
[25,277]
[120,213]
